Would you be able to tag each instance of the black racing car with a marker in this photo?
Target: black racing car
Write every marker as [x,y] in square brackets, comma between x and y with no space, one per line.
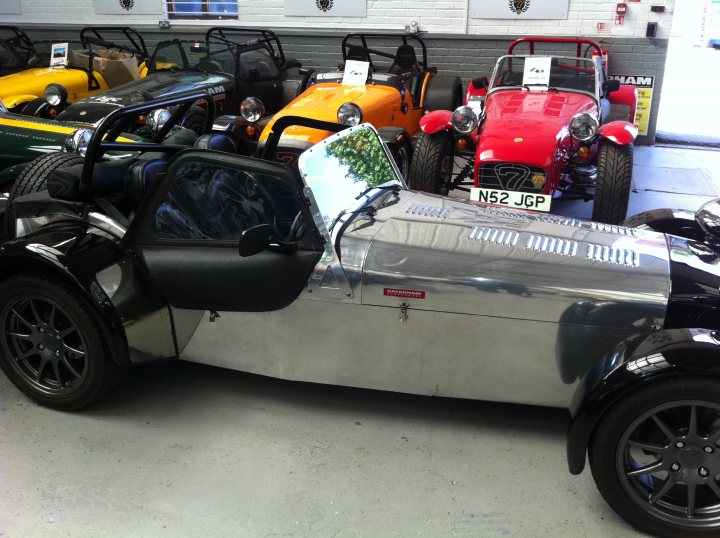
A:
[229,63]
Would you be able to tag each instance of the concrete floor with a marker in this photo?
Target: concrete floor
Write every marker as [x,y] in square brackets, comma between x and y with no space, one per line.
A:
[187,450]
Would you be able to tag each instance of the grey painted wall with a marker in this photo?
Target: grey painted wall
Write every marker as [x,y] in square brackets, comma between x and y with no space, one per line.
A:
[468,56]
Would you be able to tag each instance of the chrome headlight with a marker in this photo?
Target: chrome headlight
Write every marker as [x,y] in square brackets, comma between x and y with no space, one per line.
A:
[55,94]
[708,218]
[252,109]
[583,126]
[78,141]
[465,120]
[157,119]
[349,114]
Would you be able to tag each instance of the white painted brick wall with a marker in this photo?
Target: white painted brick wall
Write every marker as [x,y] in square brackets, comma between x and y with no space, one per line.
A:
[436,16]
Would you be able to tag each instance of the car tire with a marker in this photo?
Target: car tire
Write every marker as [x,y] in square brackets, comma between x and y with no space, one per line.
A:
[614,178]
[34,178]
[51,343]
[443,93]
[432,163]
[402,154]
[653,426]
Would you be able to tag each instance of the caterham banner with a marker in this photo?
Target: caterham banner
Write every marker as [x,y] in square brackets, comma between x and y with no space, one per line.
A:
[328,8]
[519,9]
[127,7]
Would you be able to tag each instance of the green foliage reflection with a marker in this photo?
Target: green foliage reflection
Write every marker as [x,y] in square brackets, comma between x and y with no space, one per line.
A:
[364,157]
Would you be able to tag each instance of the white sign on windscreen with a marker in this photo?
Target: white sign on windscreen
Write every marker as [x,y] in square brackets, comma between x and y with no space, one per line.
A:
[537,70]
[356,73]
[519,9]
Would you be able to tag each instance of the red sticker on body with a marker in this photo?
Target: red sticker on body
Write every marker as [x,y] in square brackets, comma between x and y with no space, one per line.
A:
[410,294]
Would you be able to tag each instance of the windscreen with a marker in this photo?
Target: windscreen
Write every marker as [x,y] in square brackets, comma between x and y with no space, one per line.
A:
[213,57]
[341,170]
[571,74]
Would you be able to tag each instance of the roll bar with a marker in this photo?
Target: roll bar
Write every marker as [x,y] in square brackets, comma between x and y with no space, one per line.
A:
[563,40]
[96,35]
[362,37]
[105,134]
[222,33]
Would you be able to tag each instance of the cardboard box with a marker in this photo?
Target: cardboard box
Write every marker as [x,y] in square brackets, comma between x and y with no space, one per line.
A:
[114,66]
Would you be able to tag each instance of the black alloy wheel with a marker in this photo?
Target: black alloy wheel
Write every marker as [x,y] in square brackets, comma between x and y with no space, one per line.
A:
[51,346]
[656,459]
[46,348]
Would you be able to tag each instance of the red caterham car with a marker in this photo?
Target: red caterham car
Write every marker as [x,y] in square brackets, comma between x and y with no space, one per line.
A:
[542,126]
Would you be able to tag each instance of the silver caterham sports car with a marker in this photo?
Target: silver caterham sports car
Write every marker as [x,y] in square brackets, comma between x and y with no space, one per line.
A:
[336,273]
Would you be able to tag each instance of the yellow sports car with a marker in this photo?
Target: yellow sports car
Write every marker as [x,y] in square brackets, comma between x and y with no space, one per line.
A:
[58,74]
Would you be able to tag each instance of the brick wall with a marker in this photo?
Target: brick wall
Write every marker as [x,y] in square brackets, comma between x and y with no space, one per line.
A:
[456,44]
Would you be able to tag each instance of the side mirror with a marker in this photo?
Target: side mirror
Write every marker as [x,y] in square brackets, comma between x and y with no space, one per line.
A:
[611,85]
[254,240]
[292,62]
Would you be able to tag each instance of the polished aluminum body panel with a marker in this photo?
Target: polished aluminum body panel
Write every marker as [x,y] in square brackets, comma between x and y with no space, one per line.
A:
[475,259]
[514,306]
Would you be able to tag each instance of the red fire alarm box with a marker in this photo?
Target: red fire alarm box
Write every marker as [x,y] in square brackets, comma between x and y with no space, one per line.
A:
[621,9]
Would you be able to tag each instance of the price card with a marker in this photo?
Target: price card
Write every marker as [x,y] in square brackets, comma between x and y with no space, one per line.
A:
[356,73]
[537,70]
[58,54]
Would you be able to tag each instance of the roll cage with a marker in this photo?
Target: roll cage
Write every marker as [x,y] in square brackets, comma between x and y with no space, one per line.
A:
[96,35]
[266,37]
[359,42]
[104,138]
[17,43]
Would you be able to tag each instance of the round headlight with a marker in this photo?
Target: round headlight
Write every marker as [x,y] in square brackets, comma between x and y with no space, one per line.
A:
[465,120]
[349,114]
[55,94]
[583,126]
[708,218]
[78,141]
[252,109]
[157,119]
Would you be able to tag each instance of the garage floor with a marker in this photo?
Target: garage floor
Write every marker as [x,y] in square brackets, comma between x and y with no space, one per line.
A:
[187,450]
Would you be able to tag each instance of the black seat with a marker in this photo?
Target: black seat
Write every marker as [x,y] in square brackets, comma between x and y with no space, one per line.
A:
[139,177]
[405,60]
[358,53]
[216,142]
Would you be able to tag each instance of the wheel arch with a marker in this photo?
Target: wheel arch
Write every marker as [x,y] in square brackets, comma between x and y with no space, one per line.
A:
[618,132]
[16,258]
[436,121]
[635,364]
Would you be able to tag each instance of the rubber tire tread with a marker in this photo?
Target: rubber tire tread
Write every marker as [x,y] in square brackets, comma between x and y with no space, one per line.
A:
[426,163]
[603,446]
[104,375]
[34,178]
[614,179]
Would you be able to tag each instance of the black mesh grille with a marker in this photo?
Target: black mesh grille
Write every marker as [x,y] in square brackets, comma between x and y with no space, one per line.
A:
[509,177]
